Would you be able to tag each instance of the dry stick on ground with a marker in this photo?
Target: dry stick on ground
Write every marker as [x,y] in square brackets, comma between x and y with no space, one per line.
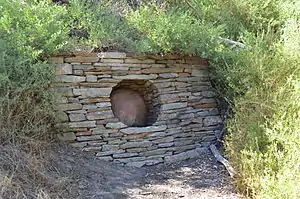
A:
[225,162]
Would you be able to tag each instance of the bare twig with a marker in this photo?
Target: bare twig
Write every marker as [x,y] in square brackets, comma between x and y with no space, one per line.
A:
[193,8]
[222,160]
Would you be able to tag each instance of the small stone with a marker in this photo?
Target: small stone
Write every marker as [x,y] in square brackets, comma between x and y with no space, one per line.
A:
[157,134]
[139,61]
[136,144]
[174,106]
[114,55]
[69,136]
[168,75]
[115,125]
[125,155]
[91,78]
[109,147]
[164,145]
[69,107]
[112,60]
[88,138]
[212,121]
[70,78]
[63,69]
[133,130]
[154,152]
[144,77]
[105,158]
[93,92]
[106,153]
[81,59]
[163,140]
[92,149]
[85,124]
[76,117]
[103,104]
[119,68]
[100,115]
[65,91]
[83,67]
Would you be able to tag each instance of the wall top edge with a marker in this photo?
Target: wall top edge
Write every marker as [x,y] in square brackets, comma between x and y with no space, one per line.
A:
[121,55]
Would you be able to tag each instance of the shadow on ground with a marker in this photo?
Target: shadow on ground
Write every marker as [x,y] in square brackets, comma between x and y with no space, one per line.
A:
[95,179]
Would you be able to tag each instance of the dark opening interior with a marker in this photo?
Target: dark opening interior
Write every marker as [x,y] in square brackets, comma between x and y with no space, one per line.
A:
[135,102]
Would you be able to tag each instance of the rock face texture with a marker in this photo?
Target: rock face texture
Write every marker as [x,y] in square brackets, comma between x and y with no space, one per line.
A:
[136,110]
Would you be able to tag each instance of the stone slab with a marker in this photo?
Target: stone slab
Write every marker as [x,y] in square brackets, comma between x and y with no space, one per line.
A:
[135,130]
[93,92]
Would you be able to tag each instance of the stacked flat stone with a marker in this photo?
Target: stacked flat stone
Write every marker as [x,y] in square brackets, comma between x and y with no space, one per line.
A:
[187,119]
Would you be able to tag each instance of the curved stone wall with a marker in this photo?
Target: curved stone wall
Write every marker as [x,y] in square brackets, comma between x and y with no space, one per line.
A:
[182,115]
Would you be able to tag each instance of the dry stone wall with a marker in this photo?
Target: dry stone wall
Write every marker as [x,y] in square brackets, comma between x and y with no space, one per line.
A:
[183,118]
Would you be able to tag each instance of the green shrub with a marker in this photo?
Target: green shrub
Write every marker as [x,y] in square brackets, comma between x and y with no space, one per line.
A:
[33,27]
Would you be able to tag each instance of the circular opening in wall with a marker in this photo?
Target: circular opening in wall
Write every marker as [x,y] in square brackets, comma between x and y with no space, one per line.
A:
[135,102]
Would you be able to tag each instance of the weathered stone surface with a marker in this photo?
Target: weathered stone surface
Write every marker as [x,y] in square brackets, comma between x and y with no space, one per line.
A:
[151,76]
[136,144]
[212,120]
[105,158]
[163,140]
[114,55]
[157,134]
[129,107]
[119,68]
[139,61]
[88,138]
[103,104]
[77,117]
[154,152]
[115,125]
[161,70]
[173,105]
[110,147]
[125,155]
[133,130]
[81,59]
[83,133]
[69,107]
[100,115]
[164,145]
[64,91]
[91,78]
[70,78]
[84,124]
[105,153]
[108,60]
[93,92]
[69,136]
[168,75]
[92,149]
[63,69]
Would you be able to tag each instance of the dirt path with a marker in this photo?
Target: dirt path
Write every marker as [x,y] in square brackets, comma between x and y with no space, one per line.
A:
[94,179]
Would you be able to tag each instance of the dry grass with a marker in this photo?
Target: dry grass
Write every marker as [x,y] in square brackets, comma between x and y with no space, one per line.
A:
[25,142]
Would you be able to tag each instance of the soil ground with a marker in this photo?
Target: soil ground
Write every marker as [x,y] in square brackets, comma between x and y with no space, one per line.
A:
[90,178]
